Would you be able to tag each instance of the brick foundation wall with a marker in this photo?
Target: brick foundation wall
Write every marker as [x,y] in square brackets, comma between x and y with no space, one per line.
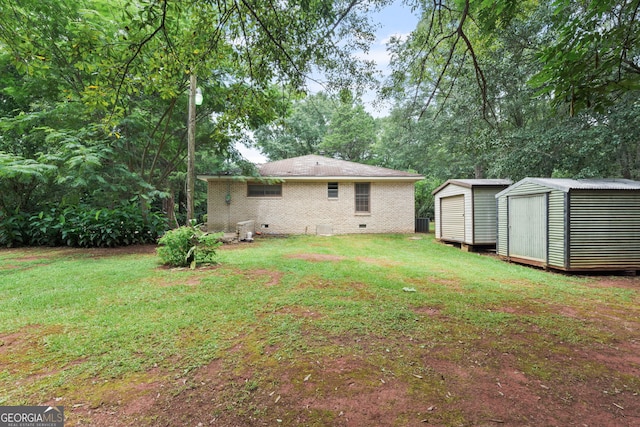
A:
[305,206]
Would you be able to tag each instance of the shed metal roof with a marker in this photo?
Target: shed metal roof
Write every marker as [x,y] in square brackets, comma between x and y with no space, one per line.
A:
[568,184]
[470,183]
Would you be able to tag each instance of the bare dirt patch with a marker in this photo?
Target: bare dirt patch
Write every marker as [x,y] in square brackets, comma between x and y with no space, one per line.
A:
[427,311]
[317,257]
[26,338]
[273,277]
[119,402]
[379,262]
[41,253]
[620,281]
[118,251]
[300,312]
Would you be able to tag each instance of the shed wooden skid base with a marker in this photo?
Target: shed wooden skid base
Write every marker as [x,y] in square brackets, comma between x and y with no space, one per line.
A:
[629,270]
[480,247]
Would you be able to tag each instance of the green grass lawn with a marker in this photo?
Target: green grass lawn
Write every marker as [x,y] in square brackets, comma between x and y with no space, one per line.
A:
[279,315]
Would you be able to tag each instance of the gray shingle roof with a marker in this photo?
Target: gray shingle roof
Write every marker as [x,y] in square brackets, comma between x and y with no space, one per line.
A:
[314,166]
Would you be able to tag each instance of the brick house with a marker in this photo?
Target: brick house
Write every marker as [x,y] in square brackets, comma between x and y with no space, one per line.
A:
[314,195]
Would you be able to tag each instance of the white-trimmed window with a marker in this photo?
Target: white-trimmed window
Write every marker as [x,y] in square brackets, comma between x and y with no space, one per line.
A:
[332,190]
[363,195]
[264,190]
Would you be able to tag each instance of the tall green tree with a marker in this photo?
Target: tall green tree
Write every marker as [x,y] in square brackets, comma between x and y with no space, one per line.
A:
[451,37]
[300,131]
[589,57]
[594,58]
[352,131]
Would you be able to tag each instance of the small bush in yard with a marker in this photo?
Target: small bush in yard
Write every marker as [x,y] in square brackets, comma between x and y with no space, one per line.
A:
[188,246]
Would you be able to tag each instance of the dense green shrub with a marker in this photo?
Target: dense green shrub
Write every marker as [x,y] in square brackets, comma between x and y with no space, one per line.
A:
[188,246]
[82,226]
[14,229]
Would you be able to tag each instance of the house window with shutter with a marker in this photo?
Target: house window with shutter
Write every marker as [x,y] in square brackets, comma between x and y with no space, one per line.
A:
[363,190]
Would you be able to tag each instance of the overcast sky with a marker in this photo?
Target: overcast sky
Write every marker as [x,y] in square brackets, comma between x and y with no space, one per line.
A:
[396,19]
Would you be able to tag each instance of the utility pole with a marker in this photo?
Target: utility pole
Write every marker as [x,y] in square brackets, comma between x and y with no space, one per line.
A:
[191,148]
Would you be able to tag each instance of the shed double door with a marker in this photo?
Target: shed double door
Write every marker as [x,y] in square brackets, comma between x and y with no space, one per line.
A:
[452,218]
[528,227]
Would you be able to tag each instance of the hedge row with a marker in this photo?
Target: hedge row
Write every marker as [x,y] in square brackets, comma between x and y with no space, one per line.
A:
[82,226]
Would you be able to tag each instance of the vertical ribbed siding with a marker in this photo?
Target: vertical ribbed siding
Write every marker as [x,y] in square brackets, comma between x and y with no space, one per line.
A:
[528,227]
[502,246]
[605,230]
[452,215]
[484,215]
[557,229]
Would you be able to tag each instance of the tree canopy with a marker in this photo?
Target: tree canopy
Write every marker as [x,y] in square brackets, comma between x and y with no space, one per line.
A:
[93,101]
[587,51]
[511,89]
[94,94]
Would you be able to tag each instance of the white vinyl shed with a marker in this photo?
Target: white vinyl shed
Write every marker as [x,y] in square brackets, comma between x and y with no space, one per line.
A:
[465,211]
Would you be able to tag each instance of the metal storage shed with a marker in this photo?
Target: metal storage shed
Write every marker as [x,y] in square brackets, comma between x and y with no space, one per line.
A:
[465,211]
[571,225]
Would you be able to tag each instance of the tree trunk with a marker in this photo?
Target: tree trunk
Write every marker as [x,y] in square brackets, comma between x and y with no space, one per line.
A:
[479,171]
[169,206]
